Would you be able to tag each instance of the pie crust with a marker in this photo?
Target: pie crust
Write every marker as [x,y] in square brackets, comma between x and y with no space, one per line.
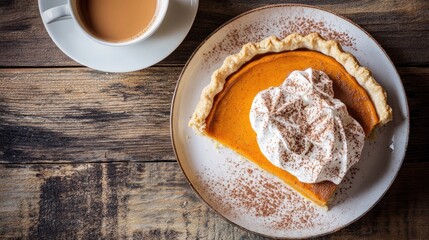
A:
[292,42]
[373,100]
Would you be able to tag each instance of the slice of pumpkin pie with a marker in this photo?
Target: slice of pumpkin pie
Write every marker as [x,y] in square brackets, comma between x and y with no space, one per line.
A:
[300,108]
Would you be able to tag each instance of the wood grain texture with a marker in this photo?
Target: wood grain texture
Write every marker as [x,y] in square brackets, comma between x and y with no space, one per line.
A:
[87,155]
[401,27]
[154,201]
[416,84]
[82,115]
[110,201]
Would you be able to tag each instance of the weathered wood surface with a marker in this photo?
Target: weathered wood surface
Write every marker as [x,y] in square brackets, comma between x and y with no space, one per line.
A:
[85,154]
[401,27]
[82,115]
[77,114]
[154,201]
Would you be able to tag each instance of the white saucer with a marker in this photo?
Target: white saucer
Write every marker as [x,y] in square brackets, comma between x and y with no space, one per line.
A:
[176,25]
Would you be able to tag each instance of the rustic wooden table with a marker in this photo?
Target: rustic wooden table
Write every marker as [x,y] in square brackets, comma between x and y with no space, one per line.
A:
[84,154]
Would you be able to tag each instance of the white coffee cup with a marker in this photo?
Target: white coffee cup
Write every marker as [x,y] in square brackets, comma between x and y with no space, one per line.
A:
[69,9]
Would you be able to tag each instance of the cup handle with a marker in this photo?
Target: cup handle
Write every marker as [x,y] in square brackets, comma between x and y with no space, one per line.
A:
[55,13]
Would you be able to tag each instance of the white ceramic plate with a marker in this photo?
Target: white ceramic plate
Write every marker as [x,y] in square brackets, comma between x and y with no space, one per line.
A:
[178,20]
[253,199]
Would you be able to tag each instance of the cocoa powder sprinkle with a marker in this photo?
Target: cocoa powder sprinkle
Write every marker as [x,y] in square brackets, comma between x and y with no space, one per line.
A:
[246,32]
[249,191]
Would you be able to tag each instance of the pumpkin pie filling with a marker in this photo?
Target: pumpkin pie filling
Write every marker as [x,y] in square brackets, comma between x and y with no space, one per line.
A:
[228,121]
[224,107]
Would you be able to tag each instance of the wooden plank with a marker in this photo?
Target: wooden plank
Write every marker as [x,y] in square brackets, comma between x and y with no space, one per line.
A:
[112,201]
[154,201]
[400,27]
[416,84]
[82,115]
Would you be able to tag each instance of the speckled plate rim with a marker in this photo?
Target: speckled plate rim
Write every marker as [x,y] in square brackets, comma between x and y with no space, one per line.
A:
[172,117]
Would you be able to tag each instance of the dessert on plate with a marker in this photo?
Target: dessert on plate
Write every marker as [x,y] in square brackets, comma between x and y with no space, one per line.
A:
[300,108]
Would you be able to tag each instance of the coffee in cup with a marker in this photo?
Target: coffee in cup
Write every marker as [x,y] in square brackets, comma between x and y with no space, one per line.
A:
[116,20]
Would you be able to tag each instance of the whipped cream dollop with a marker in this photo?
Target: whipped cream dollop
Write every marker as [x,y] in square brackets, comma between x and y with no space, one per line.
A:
[303,129]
